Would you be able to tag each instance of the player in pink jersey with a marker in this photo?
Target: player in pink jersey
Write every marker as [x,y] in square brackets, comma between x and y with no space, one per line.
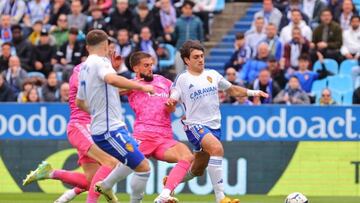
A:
[152,128]
[91,157]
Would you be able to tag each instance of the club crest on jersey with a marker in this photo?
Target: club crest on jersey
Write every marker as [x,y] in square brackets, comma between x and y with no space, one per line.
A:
[209,79]
[201,130]
[129,147]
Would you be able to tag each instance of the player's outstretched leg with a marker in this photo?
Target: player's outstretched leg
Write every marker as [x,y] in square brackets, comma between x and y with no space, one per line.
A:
[69,195]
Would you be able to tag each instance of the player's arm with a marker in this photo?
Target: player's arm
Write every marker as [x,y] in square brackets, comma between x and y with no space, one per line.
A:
[237,91]
[175,96]
[82,105]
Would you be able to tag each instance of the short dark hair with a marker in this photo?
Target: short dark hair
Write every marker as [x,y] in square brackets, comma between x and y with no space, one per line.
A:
[6,43]
[239,36]
[188,3]
[16,27]
[354,16]
[295,10]
[136,57]
[74,30]
[95,37]
[189,46]
[304,57]
[326,10]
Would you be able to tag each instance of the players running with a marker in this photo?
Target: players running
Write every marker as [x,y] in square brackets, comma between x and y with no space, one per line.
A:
[197,90]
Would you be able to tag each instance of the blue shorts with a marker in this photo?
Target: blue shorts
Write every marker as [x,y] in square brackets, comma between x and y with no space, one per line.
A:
[195,133]
[120,145]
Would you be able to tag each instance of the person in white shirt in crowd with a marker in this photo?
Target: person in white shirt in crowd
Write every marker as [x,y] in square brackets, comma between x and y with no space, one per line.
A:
[15,8]
[351,39]
[269,13]
[313,8]
[202,9]
[343,17]
[14,75]
[37,10]
[255,35]
[296,21]
[272,39]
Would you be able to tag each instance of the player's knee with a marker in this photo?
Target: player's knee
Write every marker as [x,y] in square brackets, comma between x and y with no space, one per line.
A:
[216,150]
[144,166]
[109,162]
[187,157]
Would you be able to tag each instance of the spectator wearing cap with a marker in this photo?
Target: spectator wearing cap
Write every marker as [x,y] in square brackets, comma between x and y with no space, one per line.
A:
[76,18]
[61,31]
[254,36]
[34,37]
[265,83]
[37,10]
[327,37]
[296,21]
[97,20]
[44,54]
[69,54]
[351,40]
[23,48]
[252,67]
[14,75]
[275,45]
[313,8]
[269,13]
[292,94]
[343,17]
[6,92]
[5,29]
[326,98]
[15,8]
[297,46]
[241,55]
[5,56]
[58,8]
[122,17]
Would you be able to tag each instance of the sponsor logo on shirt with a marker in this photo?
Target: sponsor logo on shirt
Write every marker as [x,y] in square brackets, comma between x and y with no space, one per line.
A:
[191,86]
[209,79]
[207,91]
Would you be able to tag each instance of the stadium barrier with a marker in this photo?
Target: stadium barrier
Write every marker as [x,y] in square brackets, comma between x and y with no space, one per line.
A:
[271,150]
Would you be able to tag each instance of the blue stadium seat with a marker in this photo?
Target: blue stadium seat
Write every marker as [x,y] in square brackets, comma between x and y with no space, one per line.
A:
[36,74]
[330,64]
[318,86]
[220,5]
[337,97]
[340,83]
[59,76]
[169,62]
[347,98]
[346,67]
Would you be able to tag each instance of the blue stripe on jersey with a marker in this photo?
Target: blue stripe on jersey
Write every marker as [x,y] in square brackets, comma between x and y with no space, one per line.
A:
[107,108]
[177,77]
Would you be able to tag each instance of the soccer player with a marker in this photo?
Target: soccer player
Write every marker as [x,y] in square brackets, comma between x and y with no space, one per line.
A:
[98,94]
[197,90]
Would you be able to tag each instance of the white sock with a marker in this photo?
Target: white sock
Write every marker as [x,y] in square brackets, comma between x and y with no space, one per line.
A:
[188,176]
[138,185]
[119,173]
[67,196]
[216,171]
[165,192]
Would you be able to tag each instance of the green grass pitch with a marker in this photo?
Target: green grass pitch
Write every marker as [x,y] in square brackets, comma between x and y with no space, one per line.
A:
[183,198]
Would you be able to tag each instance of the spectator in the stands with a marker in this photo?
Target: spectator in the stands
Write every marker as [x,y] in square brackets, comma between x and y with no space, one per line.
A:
[254,36]
[335,6]
[143,17]
[187,27]
[296,21]
[313,8]
[50,90]
[37,10]
[33,96]
[64,92]
[202,9]
[97,20]
[286,18]
[292,94]
[23,48]
[356,96]
[242,101]
[343,17]
[27,85]
[124,48]
[104,5]
[57,8]
[5,56]
[281,5]
[69,54]
[61,31]
[293,49]
[269,13]
[167,15]
[15,8]
[327,37]
[5,29]
[6,92]
[14,75]
[326,98]
[76,18]
[34,37]
[351,40]
[252,67]
[241,55]
[44,54]
[277,71]
[223,97]
[266,84]
[147,44]
[121,18]
[232,76]
[275,45]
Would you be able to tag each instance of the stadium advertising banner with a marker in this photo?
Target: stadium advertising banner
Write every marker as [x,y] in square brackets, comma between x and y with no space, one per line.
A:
[271,150]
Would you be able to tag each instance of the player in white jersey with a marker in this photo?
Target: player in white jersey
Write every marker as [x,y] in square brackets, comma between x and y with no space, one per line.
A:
[99,95]
[197,90]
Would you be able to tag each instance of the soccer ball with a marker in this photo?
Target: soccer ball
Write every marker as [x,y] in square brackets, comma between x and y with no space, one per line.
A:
[296,197]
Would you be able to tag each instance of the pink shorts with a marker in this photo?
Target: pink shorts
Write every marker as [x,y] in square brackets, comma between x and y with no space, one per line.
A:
[80,138]
[155,148]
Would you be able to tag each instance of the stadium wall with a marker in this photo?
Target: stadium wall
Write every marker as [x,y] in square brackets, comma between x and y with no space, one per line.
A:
[271,150]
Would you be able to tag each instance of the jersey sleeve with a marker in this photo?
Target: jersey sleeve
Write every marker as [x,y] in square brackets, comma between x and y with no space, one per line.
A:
[175,91]
[223,84]
[81,88]
[104,68]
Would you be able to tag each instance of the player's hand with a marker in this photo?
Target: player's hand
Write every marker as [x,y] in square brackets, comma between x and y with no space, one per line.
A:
[170,102]
[148,88]
[115,61]
[261,94]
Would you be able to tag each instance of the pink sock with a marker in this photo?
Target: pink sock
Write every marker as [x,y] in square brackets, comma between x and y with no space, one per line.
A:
[78,190]
[100,174]
[177,174]
[72,178]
